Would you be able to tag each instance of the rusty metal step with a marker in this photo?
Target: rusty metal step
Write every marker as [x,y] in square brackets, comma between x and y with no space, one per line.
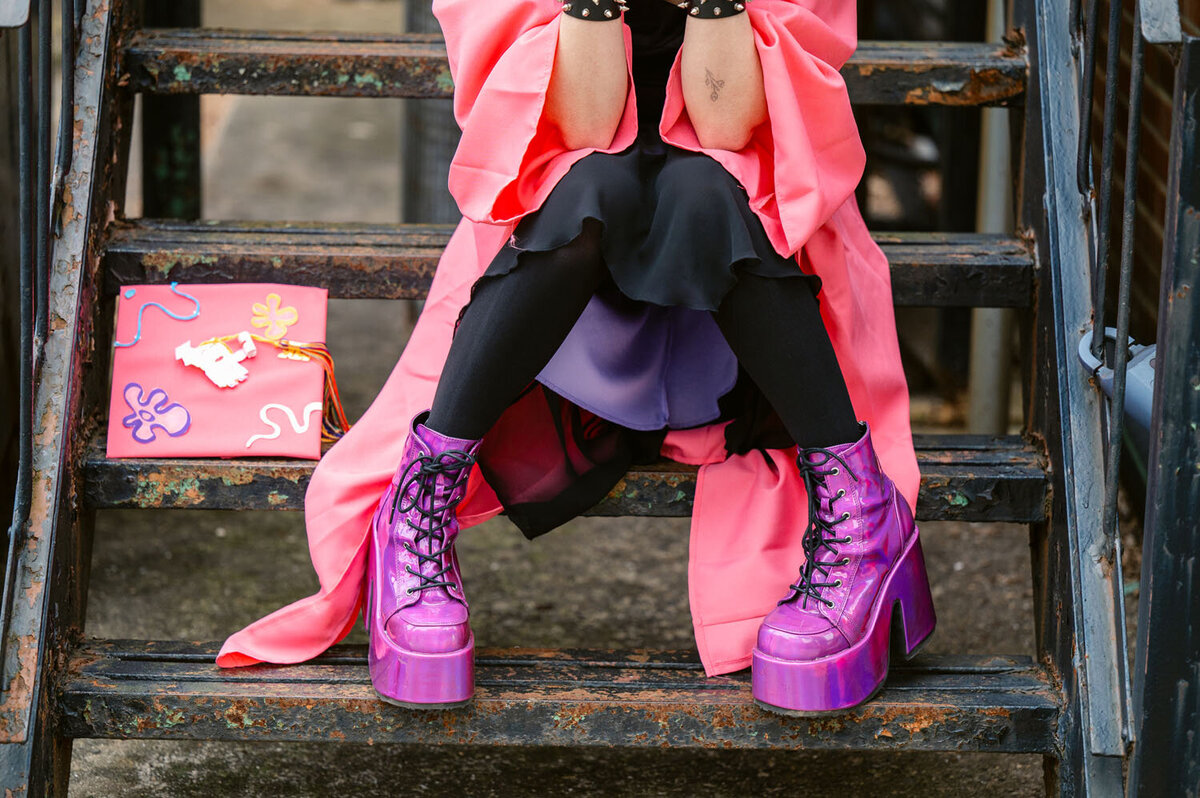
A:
[173,691]
[218,61]
[963,478]
[397,261]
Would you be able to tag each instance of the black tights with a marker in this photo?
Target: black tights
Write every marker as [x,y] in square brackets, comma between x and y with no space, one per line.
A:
[515,323]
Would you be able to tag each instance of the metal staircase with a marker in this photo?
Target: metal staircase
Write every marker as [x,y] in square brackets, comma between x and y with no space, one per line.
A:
[59,685]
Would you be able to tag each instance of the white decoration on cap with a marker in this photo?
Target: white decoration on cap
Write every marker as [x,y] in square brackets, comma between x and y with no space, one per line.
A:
[222,365]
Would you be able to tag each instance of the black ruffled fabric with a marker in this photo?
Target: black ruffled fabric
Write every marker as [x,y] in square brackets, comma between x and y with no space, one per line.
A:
[677,226]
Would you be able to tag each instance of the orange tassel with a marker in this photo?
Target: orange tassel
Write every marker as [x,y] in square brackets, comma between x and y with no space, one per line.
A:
[333,417]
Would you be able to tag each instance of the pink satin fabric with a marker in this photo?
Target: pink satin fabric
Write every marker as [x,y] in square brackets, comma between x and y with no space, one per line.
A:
[799,170]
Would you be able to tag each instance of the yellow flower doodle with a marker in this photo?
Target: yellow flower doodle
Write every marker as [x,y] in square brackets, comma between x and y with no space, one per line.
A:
[275,319]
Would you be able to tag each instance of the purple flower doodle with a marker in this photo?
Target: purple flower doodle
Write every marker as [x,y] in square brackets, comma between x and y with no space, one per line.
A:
[153,413]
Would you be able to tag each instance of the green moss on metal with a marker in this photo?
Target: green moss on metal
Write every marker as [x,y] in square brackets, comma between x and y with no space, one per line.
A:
[171,718]
[957,499]
[368,79]
[154,490]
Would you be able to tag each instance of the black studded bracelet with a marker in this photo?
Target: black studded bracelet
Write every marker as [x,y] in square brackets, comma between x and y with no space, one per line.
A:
[713,9]
[597,10]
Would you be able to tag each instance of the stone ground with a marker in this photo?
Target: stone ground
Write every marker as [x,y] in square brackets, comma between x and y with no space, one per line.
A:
[202,575]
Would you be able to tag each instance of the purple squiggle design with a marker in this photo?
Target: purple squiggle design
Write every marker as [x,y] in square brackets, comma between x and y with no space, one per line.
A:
[152,413]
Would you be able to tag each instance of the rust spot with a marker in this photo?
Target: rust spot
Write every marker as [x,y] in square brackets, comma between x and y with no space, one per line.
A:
[984,87]
[237,716]
[156,488]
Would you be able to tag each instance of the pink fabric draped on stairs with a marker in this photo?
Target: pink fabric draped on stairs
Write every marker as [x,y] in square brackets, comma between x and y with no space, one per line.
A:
[799,170]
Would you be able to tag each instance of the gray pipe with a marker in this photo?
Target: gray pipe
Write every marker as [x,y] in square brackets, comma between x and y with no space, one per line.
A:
[991,328]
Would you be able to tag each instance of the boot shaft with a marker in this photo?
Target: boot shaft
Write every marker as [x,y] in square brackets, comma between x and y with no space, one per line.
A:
[416,523]
[861,519]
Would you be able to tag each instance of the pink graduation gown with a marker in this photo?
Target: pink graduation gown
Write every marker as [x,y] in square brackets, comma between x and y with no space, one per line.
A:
[799,170]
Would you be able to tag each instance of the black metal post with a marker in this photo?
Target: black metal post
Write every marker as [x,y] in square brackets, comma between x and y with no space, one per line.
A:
[1091,35]
[171,131]
[29,221]
[66,112]
[1107,149]
[1166,714]
[430,138]
[45,16]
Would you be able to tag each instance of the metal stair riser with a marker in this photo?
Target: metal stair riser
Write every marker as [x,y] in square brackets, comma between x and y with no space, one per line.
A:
[152,690]
[214,61]
[361,262]
[1003,481]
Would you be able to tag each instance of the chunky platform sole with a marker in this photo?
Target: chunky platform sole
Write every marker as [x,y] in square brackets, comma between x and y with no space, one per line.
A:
[848,678]
[418,680]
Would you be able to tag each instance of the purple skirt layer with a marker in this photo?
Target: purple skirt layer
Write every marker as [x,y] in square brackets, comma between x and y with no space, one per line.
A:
[677,231]
[643,366]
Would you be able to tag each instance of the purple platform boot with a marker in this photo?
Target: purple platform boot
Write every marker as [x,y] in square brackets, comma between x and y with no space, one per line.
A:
[824,648]
[422,652]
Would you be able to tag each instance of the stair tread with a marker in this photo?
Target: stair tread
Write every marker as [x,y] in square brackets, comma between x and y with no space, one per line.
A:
[214,60]
[963,477]
[158,689]
[398,261]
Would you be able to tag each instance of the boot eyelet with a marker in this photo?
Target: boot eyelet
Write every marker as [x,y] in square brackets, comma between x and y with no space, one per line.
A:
[841,492]
[836,471]
[845,516]
[838,583]
[408,591]
[846,561]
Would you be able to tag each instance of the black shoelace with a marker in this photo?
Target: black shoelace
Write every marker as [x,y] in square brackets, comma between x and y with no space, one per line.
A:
[820,535]
[419,491]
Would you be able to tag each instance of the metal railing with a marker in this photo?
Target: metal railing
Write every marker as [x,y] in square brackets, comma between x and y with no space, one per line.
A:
[1161,707]
[42,165]
[1166,700]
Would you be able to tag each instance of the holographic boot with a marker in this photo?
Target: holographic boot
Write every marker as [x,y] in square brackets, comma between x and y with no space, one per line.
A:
[825,647]
[422,652]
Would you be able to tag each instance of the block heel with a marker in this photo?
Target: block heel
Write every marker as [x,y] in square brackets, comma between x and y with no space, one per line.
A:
[917,618]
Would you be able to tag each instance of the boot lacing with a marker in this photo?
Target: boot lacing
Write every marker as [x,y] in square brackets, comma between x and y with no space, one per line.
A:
[418,490]
[820,534]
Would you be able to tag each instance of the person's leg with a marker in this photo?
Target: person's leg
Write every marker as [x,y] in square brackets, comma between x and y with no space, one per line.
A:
[823,647]
[422,650]
[774,327]
[512,327]
[820,649]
